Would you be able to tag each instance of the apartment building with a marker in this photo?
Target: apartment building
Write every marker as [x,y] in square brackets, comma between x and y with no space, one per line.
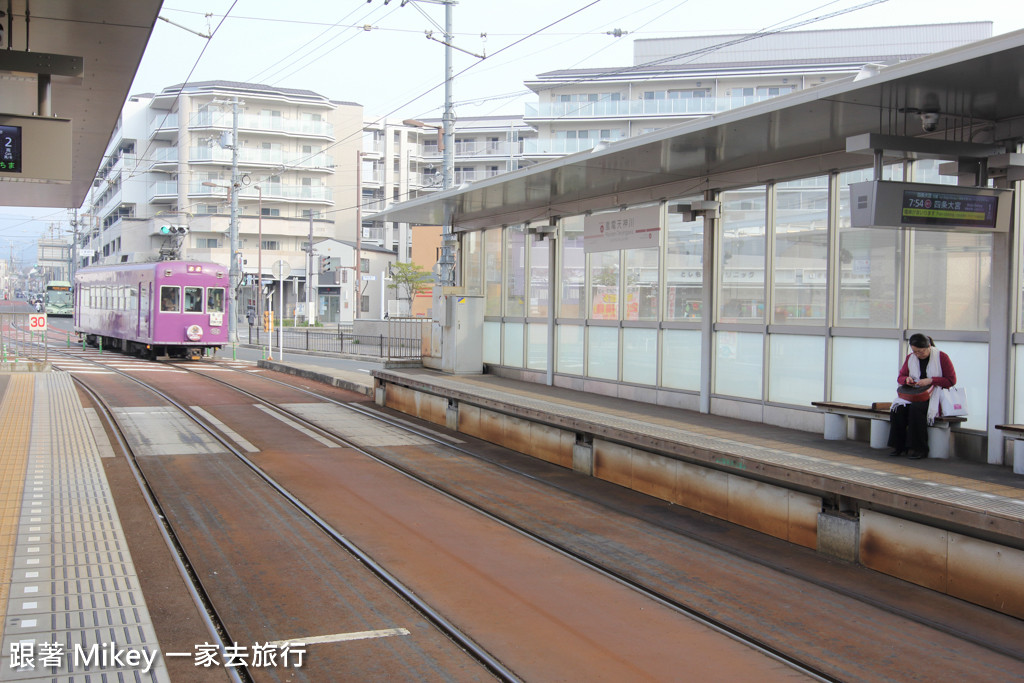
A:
[404,160]
[673,80]
[169,163]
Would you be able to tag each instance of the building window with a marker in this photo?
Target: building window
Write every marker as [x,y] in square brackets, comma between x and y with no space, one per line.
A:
[271,245]
[207,243]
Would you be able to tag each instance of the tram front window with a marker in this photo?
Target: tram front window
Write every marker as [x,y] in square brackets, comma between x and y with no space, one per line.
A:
[193,299]
[170,299]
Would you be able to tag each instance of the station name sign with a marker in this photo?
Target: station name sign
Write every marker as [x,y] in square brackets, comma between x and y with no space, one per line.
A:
[887,204]
[637,228]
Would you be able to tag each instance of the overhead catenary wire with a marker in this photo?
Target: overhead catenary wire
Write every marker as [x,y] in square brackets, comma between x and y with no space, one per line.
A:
[507,47]
[421,95]
[771,29]
[195,64]
[307,43]
[767,31]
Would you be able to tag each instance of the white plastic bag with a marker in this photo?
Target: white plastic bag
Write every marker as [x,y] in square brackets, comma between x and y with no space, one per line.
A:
[953,402]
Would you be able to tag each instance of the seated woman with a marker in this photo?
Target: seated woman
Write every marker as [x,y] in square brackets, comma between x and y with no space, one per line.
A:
[925,366]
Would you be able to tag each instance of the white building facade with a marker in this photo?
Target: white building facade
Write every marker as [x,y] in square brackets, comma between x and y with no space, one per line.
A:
[169,163]
[402,161]
[673,80]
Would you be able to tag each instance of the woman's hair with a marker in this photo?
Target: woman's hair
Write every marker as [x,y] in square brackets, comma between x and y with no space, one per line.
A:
[920,341]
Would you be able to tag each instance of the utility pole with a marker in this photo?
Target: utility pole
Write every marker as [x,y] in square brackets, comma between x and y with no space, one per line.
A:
[357,271]
[310,316]
[233,274]
[448,239]
[74,246]
[446,264]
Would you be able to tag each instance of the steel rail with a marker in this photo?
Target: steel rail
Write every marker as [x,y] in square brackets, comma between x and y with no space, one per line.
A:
[440,621]
[209,615]
[712,622]
[694,613]
[666,601]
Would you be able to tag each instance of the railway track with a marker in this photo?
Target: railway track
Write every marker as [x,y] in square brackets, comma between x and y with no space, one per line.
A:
[808,661]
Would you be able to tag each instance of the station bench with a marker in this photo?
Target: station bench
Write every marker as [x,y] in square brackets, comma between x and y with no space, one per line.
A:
[1015,432]
[837,417]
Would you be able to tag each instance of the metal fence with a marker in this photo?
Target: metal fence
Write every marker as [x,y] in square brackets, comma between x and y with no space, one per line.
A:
[391,339]
[18,340]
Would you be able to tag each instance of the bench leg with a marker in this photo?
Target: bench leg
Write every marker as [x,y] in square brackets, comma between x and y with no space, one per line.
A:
[938,441]
[835,427]
[879,433]
[1018,456]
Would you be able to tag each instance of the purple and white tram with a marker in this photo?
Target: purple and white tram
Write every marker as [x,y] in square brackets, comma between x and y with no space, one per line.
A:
[168,308]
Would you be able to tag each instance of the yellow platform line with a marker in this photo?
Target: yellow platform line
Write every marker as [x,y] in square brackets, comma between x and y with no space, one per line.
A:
[15,431]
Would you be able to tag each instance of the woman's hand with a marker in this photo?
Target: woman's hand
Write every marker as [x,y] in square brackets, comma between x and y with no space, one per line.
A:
[927,381]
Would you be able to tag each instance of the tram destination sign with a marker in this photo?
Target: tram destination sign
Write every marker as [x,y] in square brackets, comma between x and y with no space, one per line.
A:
[887,204]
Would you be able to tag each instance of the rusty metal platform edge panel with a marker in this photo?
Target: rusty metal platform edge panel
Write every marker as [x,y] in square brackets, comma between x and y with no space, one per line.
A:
[987,512]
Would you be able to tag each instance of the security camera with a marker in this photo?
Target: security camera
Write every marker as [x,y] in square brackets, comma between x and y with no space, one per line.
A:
[929,121]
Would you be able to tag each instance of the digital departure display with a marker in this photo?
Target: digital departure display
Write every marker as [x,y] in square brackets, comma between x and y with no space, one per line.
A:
[10,149]
[951,209]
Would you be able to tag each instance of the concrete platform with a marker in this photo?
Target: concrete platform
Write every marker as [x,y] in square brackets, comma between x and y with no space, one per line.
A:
[953,526]
[67,583]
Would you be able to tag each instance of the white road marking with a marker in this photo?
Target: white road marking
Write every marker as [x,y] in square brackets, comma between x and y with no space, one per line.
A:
[341,637]
[228,431]
[296,426]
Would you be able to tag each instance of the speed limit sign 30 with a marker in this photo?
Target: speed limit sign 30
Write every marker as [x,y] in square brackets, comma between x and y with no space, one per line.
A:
[37,322]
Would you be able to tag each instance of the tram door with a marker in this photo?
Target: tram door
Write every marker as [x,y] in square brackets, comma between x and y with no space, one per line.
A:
[145,309]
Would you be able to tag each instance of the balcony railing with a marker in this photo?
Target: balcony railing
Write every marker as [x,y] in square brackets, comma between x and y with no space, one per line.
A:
[558,145]
[374,235]
[271,191]
[165,122]
[163,188]
[266,157]
[278,124]
[164,155]
[483,149]
[613,109]
[428,180]
[371,206]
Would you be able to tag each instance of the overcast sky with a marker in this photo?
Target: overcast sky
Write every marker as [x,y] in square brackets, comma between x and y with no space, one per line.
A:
[378,55]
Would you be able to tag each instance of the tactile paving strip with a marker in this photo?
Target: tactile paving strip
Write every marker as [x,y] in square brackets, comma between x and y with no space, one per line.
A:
[15,428]
[74,596]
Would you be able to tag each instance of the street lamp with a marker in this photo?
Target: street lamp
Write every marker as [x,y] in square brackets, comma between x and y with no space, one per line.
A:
[259,258]
[233,274]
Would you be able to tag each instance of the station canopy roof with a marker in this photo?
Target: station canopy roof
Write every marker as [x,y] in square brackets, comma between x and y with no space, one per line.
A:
[107,39]
[977,89]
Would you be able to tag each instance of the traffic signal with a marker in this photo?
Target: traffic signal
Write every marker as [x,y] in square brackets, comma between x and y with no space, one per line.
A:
[173,229]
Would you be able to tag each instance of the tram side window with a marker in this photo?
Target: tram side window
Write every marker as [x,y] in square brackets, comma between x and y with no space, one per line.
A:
[215,300]
[170,299]
[193,299]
